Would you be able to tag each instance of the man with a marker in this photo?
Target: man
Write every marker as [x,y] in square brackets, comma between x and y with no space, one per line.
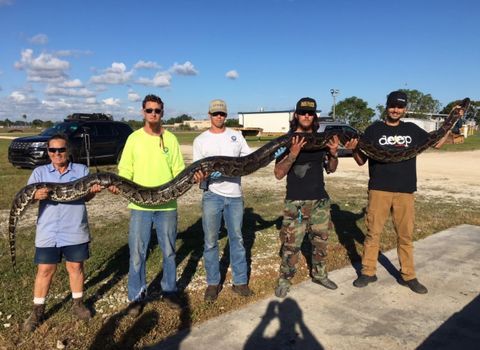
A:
[390,190]
[222,196]
[151,157]
[62,231]
[307,204]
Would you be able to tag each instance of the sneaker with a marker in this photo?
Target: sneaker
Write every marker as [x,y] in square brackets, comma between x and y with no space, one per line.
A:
[172,300]
[80,311]
[414,285]
[242,290]
[35,318]
[364,280]
[281,291]
[211,293]
[326,282]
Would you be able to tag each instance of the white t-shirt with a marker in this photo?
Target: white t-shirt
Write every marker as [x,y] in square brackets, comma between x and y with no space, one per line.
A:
[228,143]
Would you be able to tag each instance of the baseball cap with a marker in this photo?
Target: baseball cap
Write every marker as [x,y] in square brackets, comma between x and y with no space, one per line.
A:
[306,104]
[397,99]
[217,106]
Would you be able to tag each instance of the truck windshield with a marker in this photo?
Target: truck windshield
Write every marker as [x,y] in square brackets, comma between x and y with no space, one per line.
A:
[62,128]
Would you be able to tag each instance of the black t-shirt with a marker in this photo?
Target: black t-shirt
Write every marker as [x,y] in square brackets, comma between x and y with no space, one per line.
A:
[305,177]
[394,177]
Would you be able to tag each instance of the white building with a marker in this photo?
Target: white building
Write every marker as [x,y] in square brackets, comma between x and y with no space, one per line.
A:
[426,124]
[268,121]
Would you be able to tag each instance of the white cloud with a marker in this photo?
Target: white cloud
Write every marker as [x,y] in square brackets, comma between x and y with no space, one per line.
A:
[111,101]
[91,100]
[18,96]
[72,83]
[39,39]
[161,79]
[116,74]
[44,68]
[146,65]
[72,92]
[133,96]
[232,74]
[184,69]
[57,104]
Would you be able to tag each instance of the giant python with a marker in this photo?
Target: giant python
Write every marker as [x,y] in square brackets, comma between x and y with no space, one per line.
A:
[228,166]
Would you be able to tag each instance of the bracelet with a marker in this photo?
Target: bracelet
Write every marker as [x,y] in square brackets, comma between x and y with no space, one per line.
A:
[333,156]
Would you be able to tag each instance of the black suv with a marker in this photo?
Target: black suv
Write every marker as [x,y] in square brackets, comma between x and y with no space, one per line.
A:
[92,137]
[327,124]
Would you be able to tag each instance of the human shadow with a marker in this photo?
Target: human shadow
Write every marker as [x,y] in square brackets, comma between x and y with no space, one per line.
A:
[183,330]
[104,339]
[460,331]
[348,232]
[293,333]
[191,247]
[252,223]
[115,267]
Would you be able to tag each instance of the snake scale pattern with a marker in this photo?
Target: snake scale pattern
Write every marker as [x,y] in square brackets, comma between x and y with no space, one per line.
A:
[228,166]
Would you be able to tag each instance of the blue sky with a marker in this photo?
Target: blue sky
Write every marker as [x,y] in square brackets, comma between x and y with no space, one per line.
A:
[64,56]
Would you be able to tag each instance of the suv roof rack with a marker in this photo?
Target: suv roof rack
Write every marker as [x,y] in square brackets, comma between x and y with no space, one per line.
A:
[89,116]
[326,119]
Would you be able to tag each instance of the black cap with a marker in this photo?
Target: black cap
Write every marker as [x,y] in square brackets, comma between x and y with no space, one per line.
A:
[397,99]
[306,104]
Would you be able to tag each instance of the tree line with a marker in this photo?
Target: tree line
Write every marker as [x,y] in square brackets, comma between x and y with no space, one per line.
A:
[352,110]
[134,124]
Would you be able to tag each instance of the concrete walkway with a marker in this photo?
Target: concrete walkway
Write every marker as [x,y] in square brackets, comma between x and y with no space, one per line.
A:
[384,315]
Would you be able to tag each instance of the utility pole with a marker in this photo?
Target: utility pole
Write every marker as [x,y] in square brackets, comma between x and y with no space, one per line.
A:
[334,93]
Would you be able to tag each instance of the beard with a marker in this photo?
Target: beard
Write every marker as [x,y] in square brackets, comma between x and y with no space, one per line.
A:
[305,128]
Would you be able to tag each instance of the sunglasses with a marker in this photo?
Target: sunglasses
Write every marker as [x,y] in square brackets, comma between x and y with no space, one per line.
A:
[302,112]
[151,110]
[55,150]
[396,106]
[219,114]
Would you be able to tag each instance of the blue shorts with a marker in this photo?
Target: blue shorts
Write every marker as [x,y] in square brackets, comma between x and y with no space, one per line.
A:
[53,255]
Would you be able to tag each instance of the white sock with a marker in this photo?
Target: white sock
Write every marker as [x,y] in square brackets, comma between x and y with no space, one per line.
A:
[76,295]
[38,301]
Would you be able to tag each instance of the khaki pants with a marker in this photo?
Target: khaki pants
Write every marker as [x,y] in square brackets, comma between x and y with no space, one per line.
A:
[401,206]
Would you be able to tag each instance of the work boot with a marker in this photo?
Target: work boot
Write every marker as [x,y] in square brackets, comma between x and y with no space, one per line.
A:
[135,308]
[172,300]
[282,291]
[242,290]
[211,293]
[80,311]
[364,280]
[282,288]
[326,282]
[414,285]
[35,319]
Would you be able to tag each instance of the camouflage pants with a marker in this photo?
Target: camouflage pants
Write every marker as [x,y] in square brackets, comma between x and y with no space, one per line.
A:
[310,217]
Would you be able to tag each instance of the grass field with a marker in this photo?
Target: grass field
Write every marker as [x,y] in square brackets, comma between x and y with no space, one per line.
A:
[107,268]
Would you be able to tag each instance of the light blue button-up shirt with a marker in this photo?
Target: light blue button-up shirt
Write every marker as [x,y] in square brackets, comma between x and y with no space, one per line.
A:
[60,224]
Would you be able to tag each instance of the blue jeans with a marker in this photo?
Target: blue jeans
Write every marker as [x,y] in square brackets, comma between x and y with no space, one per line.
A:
[138,239]
[214,207]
